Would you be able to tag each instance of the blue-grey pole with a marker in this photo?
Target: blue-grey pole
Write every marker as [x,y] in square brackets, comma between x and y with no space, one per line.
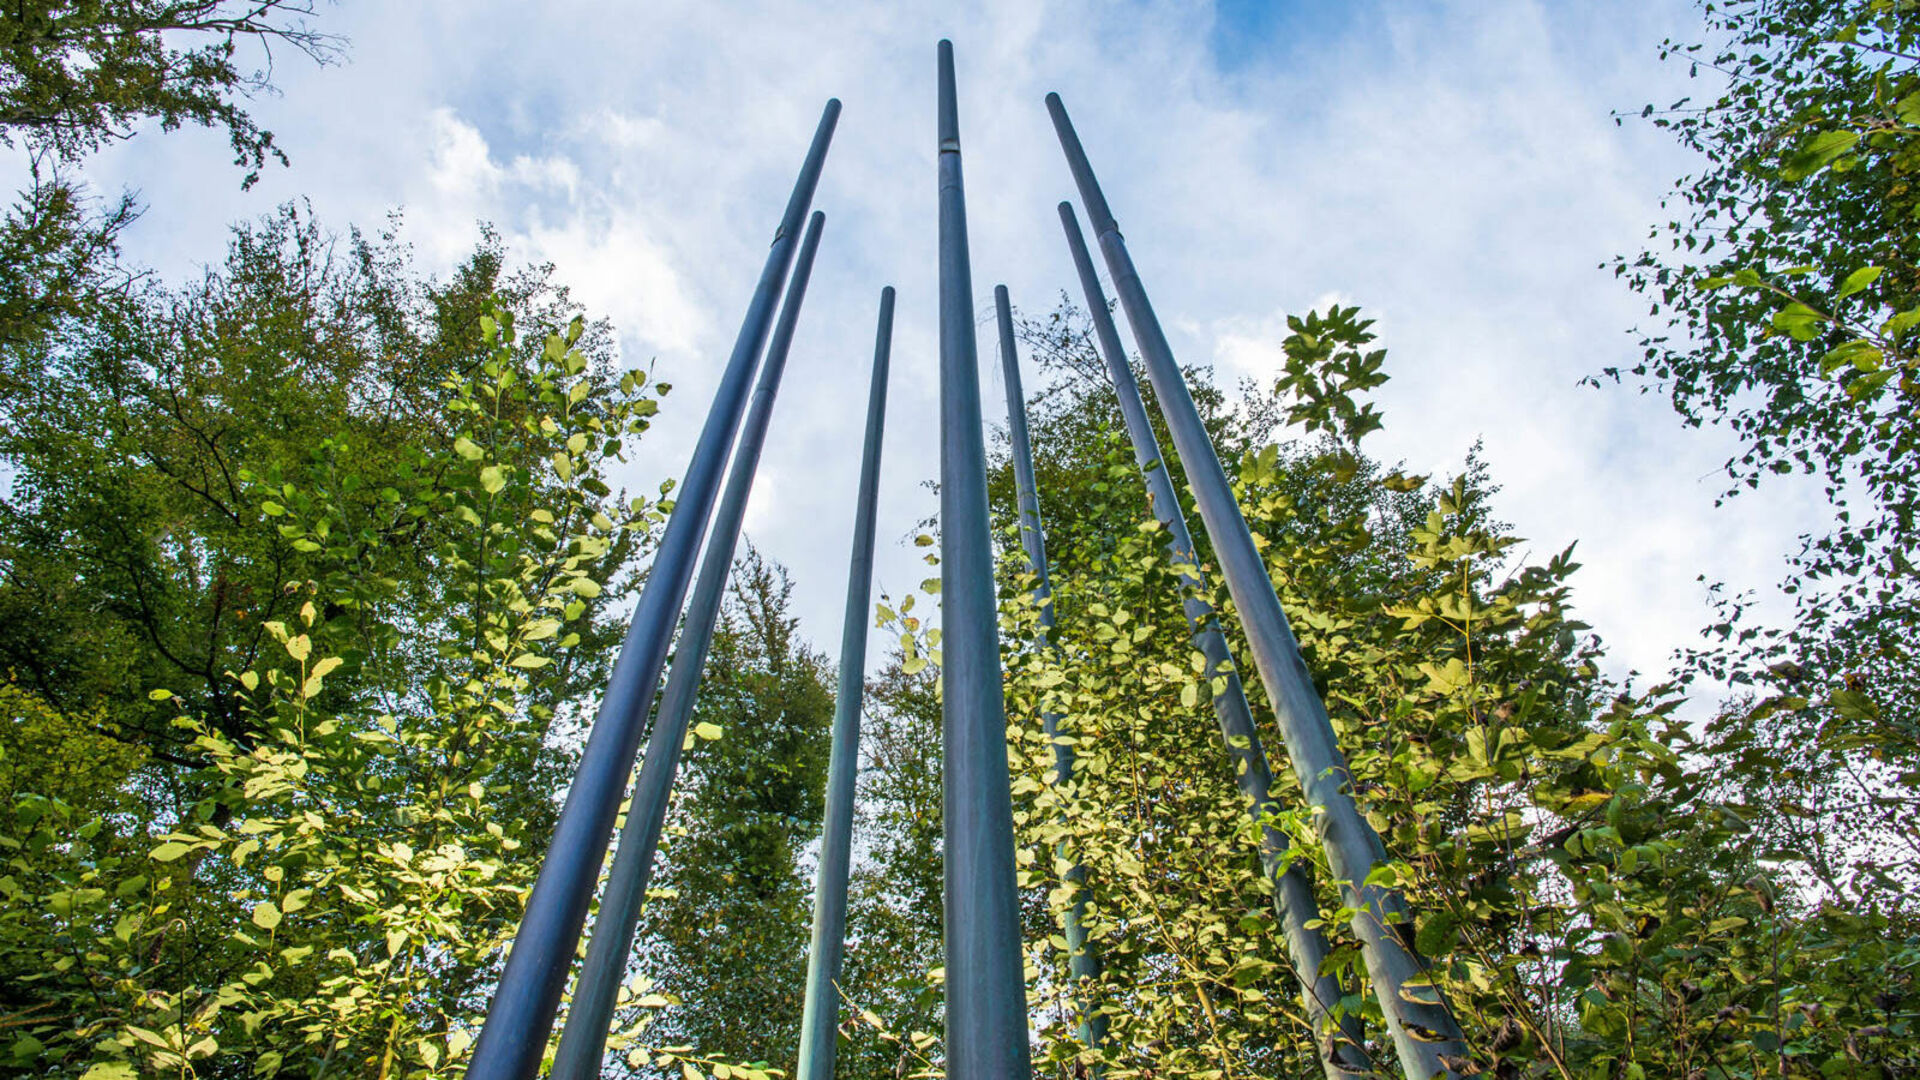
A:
[1083,961]
[1418,1019]
[986,986]
[819,1020]
[1340,1048]
[514,1038]
[583,1039]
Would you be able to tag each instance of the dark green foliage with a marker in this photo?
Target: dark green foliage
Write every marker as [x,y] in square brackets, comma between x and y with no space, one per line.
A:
[75,74]
[1785,304]
[727,931]
[132,556]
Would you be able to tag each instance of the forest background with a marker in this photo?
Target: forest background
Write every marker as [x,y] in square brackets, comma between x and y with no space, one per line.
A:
[314,559]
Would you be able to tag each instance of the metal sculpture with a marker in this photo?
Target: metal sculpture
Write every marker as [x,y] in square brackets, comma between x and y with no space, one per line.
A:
[1083,959]
[822,1007]
[1418,1019]
[986,990]
[514,1037]
[583,1039]
[1340,1048]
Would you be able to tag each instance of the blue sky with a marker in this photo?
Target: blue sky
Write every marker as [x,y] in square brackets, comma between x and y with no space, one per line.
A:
[1452,167]
[1256,33]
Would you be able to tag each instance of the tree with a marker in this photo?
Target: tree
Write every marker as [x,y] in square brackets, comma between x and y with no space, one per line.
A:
[891,989]
[1589,900]
[725,929]
[330,888]
[75,75]
[78,74]
[130,557]
[1784,302]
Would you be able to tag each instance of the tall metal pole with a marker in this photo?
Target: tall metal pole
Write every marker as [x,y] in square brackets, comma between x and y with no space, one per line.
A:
[1083,961]
[986,987]
[1339,1046]
[1422,1027]
[583,1039]
[820,1015]
[520,1017]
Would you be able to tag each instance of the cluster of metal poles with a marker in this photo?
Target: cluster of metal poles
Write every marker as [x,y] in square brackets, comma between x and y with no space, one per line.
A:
[987,1034]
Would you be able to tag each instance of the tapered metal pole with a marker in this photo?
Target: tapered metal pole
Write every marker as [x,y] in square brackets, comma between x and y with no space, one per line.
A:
[1339,1046]
[1083,961]
[819,1019]
[986,988]
[1422,1027]
[520,1017]
[584,1038]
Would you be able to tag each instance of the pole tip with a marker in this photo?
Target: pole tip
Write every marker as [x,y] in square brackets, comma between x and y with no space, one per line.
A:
[949,110]
[1053,100]
[1000,293]
[818,219]
[886,294]
[833,104]
[1066,208]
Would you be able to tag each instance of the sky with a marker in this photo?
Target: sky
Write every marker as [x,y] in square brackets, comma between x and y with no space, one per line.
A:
[1454,168]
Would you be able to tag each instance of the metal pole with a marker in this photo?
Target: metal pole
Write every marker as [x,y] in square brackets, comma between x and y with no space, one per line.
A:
[520,1017]
[1422,1027]
[820,1015]
[583,1039]
[986,988]
[1083,961]
[1339,1047]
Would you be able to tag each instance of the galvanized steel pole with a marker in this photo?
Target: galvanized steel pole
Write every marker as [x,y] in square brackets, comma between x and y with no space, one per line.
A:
[583,1039]
[520,1017]
[1083,961]
[1422,1027]
[1340,1048]
[821,1012]
[986,988]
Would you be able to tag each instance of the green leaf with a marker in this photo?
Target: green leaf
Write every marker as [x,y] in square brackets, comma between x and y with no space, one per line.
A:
[1854,705]
[708,730]
[169,851]
[1798,321]
[265,915]
[493,478]
[466,448]
[1859,279]
[1817,153]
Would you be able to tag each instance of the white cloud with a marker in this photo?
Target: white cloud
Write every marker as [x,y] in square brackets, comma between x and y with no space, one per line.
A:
[1452,167]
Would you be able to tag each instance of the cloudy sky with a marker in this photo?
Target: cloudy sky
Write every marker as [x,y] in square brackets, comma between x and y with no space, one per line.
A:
[1452,167]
